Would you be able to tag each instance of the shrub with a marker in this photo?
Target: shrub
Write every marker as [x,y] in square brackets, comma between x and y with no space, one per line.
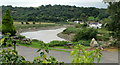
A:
[35,40]
[33,22]
[83,56]
[85,34]
[57,43]
[20,36]
[81,25]
[7,24]
[27,23]
[70,30]
[22,23]
[83,42]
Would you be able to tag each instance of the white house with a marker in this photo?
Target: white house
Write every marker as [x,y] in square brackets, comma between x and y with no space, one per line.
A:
[76,21]
[95,25]
[79,22]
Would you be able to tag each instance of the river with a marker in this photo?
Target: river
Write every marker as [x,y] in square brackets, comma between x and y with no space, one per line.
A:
[44,35]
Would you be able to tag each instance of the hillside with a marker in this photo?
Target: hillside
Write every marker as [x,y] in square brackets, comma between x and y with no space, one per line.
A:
[55,13]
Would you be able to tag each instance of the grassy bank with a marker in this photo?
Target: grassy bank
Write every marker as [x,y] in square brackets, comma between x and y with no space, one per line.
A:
[37,45]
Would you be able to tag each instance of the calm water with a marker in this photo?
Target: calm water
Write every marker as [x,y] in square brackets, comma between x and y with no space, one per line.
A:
[44,35]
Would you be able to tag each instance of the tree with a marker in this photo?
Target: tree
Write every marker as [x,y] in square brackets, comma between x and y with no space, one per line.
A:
[85,34]
[114,25]
[91,18]
[7,24]
[83,17]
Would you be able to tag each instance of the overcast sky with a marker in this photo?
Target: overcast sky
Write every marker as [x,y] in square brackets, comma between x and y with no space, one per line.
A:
[36,3]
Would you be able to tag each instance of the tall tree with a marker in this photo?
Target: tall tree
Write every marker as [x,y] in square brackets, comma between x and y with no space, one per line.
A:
[7,24]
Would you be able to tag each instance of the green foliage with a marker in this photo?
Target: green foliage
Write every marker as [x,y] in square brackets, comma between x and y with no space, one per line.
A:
[81,25]
[6,40]
[11,56]
[83,17]
[57,43]
[80,55]
[43,57]
[7,24]
[91,18]
[85,34]
[55,13]
[70,30]
[114,10]
[84,42]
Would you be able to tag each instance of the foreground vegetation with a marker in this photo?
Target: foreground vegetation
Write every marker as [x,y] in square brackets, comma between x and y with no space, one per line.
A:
[10,56]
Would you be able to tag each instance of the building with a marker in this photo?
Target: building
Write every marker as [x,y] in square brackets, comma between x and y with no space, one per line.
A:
[79,22]
[76,21]
[95,25]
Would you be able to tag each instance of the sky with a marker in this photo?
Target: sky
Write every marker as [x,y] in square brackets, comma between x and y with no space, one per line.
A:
[36,3]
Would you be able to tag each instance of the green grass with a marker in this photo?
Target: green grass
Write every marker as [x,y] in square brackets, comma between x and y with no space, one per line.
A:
[58,49]
[37,45]
[104,31]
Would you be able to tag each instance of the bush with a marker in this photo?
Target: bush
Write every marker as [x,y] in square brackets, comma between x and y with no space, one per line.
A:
[57,43]
[33,22]
[20,36]
[27,23]
[35,40]
[82,42]
[85,34]
[70,30]
[7,24]
[22,23]
[81,25]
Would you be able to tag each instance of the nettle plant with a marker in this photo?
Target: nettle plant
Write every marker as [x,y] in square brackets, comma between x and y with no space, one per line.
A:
[80,55]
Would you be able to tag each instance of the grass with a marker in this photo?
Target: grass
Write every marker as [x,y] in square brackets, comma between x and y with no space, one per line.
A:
[36,45]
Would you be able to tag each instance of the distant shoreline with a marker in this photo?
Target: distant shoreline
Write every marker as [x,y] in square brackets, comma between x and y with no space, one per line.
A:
[40,28]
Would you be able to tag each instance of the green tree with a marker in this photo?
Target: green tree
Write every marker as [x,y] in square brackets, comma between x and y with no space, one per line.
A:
[7,24]
[83,17]
[114,25]
[91,18]
[85,34]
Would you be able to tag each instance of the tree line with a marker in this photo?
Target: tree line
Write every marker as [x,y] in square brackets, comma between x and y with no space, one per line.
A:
[55,13]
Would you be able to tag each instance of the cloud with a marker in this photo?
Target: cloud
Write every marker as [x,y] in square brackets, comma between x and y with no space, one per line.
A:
[35,3]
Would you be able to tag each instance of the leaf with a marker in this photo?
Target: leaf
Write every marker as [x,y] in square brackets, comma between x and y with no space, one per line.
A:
[38,57]
[41,53]
[47,50]
[39,50]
